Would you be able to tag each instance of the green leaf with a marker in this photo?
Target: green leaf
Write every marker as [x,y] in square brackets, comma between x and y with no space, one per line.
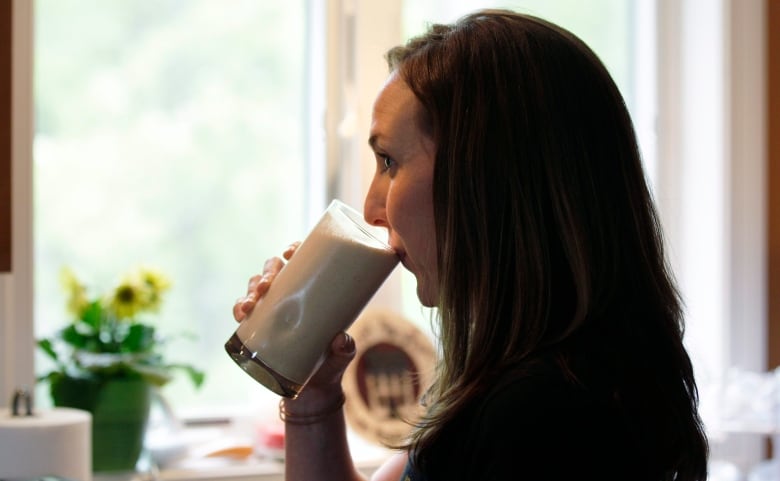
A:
[47,347]
[93,315]
[74,336]
[196,375]
[44,377]
[140,338]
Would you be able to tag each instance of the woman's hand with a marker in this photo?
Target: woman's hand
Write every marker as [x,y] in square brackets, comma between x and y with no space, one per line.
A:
[259,284]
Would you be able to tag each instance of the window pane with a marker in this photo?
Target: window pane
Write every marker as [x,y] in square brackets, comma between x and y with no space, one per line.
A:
[172,134]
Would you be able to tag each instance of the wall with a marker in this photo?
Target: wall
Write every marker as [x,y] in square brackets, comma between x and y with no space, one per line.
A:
[773,180]
[16,333]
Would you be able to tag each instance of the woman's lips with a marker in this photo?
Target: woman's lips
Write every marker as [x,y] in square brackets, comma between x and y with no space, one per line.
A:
[401,253]
[404,260]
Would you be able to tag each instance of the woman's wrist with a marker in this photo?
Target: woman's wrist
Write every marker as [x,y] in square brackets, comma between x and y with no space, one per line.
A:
[305,412]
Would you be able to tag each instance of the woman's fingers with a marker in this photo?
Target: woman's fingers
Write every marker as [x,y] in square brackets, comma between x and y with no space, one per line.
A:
[238,313]
[291,250]
[251,288]
[342,351]
[256,288]
[271,267]
[258,284]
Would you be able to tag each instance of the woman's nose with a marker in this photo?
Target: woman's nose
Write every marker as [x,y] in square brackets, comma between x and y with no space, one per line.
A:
[374,207]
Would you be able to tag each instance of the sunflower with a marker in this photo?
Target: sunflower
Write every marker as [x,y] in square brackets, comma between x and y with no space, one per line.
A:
[129,297]
[156,284]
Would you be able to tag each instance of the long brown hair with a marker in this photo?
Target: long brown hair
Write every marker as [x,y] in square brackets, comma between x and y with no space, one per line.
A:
[544,222]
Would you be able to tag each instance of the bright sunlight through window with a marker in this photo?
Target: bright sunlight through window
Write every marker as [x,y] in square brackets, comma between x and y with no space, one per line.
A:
[169,134]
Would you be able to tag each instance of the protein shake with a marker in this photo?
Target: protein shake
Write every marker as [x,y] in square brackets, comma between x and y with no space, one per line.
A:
[319,292]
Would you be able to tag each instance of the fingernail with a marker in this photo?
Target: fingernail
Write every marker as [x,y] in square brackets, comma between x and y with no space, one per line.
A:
[345,342]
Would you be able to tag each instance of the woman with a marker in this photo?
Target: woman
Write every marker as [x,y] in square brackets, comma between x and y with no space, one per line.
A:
[510,181]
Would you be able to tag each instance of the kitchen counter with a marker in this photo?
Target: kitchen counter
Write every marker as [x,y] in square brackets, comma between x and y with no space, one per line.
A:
[227,457]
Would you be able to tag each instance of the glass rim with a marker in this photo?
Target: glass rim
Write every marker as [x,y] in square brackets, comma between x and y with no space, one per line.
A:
[357,219]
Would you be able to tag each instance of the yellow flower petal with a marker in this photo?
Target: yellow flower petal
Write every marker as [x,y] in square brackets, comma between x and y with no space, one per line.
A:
[75,291]
[128,298]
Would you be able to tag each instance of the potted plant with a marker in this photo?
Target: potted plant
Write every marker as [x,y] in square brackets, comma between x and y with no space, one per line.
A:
[108,360]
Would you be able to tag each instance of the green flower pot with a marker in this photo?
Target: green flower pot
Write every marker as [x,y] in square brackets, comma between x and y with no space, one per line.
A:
[120,410]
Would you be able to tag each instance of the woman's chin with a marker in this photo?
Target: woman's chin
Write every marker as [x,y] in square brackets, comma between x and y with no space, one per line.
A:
[427,299]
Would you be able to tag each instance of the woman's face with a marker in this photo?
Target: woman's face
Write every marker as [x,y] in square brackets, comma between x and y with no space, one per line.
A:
[401,194]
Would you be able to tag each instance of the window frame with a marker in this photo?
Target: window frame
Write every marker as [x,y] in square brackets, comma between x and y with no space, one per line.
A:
[16,300]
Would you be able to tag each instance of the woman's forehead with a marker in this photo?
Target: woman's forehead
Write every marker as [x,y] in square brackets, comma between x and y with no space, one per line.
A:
[396,109]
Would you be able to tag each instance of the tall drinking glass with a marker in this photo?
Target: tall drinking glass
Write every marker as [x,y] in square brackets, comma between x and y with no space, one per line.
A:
[319,292]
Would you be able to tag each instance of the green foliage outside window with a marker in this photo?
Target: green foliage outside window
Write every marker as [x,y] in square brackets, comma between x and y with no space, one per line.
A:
[169,133]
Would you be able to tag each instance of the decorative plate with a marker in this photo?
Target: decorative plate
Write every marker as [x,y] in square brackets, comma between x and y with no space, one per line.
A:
[393,367]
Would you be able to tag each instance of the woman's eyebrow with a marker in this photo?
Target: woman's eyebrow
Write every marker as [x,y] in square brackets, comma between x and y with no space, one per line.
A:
[379,142]
[373,140]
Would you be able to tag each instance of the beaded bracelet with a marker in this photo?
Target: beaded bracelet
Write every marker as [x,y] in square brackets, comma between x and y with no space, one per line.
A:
[306,419]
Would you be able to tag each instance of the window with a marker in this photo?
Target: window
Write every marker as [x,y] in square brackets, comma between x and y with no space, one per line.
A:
[171,134]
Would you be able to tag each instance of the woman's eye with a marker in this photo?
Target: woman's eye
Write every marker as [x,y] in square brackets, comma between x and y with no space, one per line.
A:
[387,162]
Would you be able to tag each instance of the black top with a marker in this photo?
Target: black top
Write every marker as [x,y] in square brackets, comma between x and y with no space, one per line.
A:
[538,426]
